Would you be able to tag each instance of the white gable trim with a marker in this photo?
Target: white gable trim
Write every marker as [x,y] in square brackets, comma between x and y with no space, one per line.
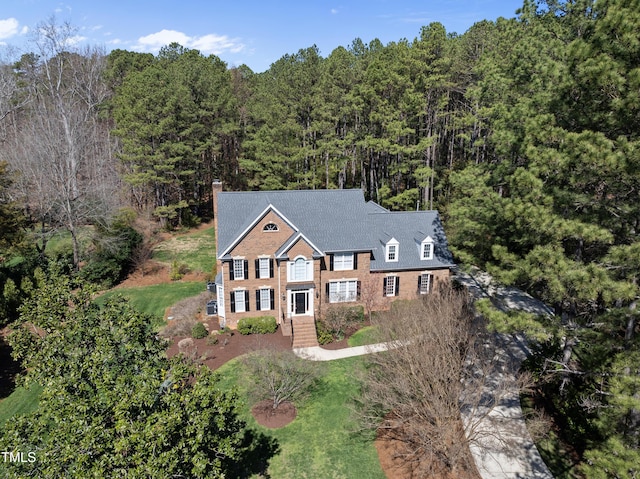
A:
[396,251]
[293,241]
[427,241]
[252,225]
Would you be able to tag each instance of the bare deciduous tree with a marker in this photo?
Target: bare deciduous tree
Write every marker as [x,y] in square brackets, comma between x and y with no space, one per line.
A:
[441,365]
[370,294]
[60,144]
[279,375]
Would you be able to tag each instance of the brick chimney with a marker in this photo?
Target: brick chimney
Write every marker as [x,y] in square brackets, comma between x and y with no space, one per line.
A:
[216,188]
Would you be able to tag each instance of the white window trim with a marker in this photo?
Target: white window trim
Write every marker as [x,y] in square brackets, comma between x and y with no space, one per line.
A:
[334,296]
[291,276]
[429,277]
[239,261]
[390,243]
[390,291]
[265,306]
[264,268]
[291,302]
[430,242]
[242,303]
[345,263]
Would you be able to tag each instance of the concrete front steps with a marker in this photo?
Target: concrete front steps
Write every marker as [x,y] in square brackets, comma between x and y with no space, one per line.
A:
[304,332]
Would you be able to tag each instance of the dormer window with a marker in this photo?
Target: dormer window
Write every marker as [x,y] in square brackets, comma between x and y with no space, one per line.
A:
[426,249]
[392,250]
[270,227]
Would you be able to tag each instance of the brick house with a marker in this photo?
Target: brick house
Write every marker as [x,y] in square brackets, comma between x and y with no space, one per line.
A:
[292,254]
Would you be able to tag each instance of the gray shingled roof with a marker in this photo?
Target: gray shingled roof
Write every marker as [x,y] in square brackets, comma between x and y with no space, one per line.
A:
[409,228]
[338,220]
[333,220]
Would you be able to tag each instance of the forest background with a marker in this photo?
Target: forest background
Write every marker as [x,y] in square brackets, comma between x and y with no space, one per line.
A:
[523,133]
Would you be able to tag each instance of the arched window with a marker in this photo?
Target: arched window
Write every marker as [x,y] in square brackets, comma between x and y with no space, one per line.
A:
[300,269]
[270,227]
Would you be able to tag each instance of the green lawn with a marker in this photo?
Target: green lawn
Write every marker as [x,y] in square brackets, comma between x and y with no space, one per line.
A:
[195,250]
[321,442]
[155,299]
[60,243]
[20,401]
[366,335]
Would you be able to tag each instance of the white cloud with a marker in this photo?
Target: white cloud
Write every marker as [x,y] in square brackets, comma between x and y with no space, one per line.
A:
[207,44]
[76,39]
[9,27]
[334,11]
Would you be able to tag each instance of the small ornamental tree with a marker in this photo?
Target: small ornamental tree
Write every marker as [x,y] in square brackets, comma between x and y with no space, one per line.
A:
[279,375]
[112,404]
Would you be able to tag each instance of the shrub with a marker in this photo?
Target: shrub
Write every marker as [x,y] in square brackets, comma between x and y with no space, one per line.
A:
[258,325]
[279,375]
[178,270]
[177,329]
[341,321]
[212,340]
[191,307]
[111,260]
[199,331]
[324,335]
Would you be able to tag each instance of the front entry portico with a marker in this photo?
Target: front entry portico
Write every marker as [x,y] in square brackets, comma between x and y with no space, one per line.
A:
[300,302]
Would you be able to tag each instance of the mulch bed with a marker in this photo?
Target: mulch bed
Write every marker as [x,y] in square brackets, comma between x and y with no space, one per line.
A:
[393,455]
[231,345]
[274,418]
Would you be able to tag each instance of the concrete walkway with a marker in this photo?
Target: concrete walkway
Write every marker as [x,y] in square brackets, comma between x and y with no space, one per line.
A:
[503,448]
[320,354]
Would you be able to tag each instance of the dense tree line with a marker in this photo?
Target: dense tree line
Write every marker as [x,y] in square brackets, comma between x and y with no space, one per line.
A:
[523,132]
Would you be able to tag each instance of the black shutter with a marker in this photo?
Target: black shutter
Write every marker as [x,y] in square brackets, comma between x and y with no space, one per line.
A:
[246,300]
[384,287]
[430,283]
[330,262]
[231,277]
[272,297]
[327,290]
[355,260]
[271,269]
[257,268]
[246,269]
[419,283]
[232,295]
[358,290]
[397,285]
[258,305]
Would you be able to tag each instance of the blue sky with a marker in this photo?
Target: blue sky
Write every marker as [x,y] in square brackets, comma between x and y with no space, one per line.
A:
[256,33]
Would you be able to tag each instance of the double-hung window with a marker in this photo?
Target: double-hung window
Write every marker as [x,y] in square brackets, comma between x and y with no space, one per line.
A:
[426,249]
[238,269]
[343,291]
[265,299]
[424,283]
[392,250]
[263,267]
[239,301]
[342,261]
[391,285]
